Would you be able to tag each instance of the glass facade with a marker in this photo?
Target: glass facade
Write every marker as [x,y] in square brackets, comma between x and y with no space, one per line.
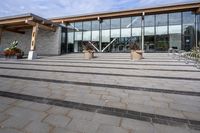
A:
[179,30]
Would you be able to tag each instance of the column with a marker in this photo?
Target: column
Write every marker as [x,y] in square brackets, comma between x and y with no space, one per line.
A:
[32,53]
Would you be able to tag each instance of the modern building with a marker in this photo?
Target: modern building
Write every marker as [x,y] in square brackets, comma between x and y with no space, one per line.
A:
[154,29]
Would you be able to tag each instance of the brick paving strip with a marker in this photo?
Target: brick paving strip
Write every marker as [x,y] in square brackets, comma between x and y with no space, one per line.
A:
[122,68]
[190,93]
[153,118]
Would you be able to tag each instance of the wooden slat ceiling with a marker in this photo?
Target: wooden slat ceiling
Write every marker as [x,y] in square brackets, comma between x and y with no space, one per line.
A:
[174,8]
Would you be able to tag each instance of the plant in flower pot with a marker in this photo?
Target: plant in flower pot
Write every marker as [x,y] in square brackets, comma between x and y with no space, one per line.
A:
[88,51]
[136,53]
[13,51]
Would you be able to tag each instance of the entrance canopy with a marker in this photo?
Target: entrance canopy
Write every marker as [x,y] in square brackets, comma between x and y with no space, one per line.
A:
[19,23]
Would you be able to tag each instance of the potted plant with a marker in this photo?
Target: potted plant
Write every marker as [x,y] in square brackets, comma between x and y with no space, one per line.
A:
[88,51]
[13,51]
[136,53]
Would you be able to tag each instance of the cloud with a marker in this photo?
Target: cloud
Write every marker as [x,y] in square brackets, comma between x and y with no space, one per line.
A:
[56,8]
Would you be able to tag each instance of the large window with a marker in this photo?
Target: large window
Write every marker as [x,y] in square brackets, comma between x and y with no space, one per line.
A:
[175,30]
[161,32]
[188,30]
[115,28]
[149,33]
[126,27]
[78,30]
[162,39]
[87,31]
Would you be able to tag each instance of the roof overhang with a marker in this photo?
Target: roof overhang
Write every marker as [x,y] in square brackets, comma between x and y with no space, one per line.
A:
[20,22]
[195,7]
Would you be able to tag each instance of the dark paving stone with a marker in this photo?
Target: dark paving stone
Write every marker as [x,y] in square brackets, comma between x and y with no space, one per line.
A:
[154,118]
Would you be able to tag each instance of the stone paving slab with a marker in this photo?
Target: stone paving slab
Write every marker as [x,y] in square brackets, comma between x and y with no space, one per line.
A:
[108,69]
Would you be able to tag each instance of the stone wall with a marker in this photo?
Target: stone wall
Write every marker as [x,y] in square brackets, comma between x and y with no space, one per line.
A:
[47,42]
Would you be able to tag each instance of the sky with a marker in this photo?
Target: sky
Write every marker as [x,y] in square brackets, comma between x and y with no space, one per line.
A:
[59,8]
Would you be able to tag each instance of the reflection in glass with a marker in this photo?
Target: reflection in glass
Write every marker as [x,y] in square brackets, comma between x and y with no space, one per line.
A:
[105,35]
[175,19]
[136,31]
[149,31]
[115,23]
[95,25]
[161,30]
[87,31]
[136,21]
[115,33]
[95,35]
[126,32]
[161,19]
[106,24]
[78,35]
[188,30]
[149,21]
[126,22]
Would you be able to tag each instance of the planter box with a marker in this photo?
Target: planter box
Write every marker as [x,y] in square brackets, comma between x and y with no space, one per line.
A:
[136,54]
[88,55]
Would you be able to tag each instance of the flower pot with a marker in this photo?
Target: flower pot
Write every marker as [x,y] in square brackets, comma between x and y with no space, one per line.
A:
[136,54]
[88,55]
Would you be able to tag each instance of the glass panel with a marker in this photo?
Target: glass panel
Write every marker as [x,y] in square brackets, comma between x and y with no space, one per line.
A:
[162,42]
[136,31]
[149,43]
[115,23]
[87,31]
[160,30]
[105,35]
[106,24]
[175,19]
[115,33]
[78,26]
[86,35]
[70,37]
[149,21]
[149,31]
[188,30]
[175,36]
[125,25]
[78,35]
[188,18]
[95,25]
[161,20]
[136,21]
[95,35]
[86,25]
[126,32]
[70,40]
[126,22]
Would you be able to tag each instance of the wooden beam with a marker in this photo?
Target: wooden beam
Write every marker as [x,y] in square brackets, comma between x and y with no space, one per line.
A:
[15,31]
[34,35]
[44,27]
[12,21]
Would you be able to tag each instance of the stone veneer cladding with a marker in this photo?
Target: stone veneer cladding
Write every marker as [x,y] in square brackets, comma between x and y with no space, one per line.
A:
[47,42]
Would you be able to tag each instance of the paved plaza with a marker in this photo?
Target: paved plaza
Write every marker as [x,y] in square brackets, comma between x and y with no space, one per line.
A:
[108,94]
